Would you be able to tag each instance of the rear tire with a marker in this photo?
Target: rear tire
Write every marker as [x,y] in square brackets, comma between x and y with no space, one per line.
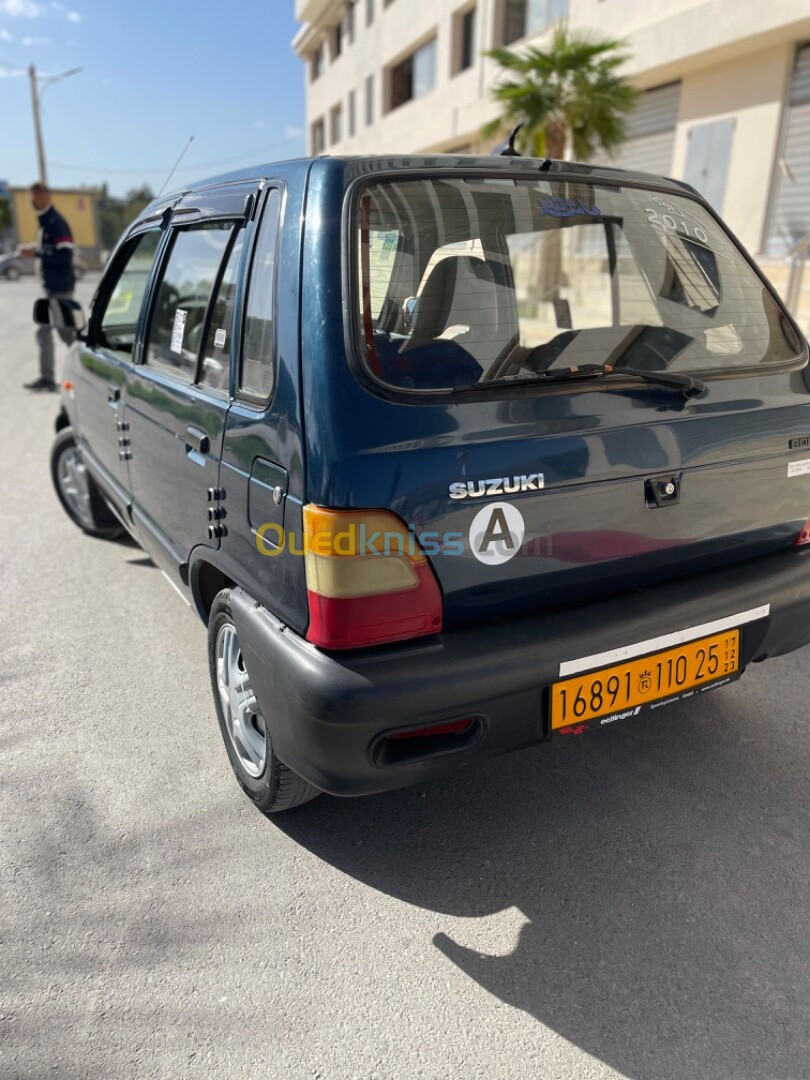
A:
[77,491]
[270,784]
[12,274]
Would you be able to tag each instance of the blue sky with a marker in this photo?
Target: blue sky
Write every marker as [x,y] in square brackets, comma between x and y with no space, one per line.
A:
[154,73]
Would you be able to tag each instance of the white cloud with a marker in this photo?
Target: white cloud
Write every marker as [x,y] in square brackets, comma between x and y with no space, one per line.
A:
[5,35]
[28,41]
[10,73]
[26,9]
[67,13]
[291,132]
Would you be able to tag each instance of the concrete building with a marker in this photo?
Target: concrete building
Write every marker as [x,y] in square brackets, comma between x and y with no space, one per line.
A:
[79,206]
[726,101]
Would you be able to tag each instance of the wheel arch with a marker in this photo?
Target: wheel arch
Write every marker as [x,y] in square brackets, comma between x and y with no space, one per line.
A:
[62,420]
[206,579]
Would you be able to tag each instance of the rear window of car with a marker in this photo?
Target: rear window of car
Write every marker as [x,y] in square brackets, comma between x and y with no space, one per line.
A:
[462,281]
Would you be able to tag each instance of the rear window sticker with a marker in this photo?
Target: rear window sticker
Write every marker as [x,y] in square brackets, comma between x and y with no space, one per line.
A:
[219,338]
[563,208]
[178,330]
[799,468]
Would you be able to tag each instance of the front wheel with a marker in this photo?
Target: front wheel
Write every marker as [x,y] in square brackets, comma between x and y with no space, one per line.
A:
[77,491]
[12,273]
[266,780]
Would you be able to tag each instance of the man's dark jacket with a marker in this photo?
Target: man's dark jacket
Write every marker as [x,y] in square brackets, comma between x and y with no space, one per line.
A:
[55,251]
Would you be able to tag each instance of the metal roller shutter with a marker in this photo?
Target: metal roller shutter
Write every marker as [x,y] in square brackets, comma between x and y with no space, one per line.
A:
[790,206]
[651,132]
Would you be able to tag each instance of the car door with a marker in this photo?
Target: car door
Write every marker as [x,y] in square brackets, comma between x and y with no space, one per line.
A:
[178,394]
[105,358]
[262,469]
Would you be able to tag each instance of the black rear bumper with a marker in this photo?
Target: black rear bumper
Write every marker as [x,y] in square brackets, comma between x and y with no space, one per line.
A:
[327,711]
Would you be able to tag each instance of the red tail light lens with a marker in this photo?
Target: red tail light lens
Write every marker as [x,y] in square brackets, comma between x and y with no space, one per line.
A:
[804,536]
[368,581]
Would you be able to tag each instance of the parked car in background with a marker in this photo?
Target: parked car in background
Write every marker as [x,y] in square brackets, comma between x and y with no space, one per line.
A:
[14,266]
[452,455]
[11,266]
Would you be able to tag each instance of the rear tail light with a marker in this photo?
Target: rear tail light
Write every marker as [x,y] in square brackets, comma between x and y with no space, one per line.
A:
[804,536]
[368,581]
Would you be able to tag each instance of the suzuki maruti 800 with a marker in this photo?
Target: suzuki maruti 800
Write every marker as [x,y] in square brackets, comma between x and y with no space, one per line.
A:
[452,455]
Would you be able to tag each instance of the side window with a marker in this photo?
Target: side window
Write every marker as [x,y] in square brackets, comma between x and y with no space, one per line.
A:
[187,282]
[258,346]
[118,320]
[382,253]
[216,355]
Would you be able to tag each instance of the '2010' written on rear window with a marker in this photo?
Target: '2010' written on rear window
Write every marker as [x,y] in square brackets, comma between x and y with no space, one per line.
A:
[461,281]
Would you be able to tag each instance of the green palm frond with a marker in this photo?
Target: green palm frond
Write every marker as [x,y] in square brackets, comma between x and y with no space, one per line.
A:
[575,83]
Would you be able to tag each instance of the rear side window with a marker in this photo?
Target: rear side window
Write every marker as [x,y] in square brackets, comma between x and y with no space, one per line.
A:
[216,355]
[118,321]
[257,376]
[464,281]
[179,313]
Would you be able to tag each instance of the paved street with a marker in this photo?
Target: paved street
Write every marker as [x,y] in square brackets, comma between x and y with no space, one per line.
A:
[630,903]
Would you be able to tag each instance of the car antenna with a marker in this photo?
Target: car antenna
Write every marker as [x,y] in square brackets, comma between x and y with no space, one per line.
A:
[174,167]
[508,148]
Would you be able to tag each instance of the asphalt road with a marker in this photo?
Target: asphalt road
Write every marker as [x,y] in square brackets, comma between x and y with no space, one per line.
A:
[629,903]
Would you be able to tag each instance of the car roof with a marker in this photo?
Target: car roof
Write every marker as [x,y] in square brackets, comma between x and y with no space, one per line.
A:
[355,167]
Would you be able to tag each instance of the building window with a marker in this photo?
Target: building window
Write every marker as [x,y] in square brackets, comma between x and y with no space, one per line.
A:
[316,64]
[369,12]
[337,41]
[463,40]
[349,23]
[524,17]
[369,100]
[318,137]
[414,76]
[336,125]
[351,109]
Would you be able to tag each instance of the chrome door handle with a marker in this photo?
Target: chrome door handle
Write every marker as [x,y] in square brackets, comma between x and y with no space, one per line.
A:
[197,440]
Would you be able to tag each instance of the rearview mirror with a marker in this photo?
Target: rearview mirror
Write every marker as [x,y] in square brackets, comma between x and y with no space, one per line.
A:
[61,314]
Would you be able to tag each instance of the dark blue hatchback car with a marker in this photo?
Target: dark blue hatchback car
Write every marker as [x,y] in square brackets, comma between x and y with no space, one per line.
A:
[453,455]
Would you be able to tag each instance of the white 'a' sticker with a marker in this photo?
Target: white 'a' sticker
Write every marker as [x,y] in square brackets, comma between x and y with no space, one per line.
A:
[219,338]
[496,533]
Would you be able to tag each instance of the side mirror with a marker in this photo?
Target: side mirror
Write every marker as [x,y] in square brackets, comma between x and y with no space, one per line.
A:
[61,314]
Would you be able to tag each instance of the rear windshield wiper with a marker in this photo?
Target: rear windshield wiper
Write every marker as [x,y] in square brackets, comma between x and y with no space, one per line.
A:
[688,385]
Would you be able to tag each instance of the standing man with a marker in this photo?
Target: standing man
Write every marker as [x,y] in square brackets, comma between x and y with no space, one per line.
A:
[54,249]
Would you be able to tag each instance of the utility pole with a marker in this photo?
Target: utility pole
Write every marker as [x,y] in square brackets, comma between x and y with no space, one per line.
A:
[43,172]
[36,105]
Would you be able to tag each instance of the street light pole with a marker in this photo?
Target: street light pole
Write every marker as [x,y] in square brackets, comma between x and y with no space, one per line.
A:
[36,104]
[43,173]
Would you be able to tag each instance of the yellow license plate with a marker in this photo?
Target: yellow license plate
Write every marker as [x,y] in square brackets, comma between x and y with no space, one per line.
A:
[627,687]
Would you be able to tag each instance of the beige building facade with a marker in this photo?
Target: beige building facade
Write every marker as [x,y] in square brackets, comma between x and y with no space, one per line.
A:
[726,102]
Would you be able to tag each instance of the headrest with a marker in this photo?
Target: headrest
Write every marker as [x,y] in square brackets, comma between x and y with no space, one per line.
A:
[453,287]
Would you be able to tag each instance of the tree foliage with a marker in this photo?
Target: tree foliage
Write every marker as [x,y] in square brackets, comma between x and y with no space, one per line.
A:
[115,214]
[570,92]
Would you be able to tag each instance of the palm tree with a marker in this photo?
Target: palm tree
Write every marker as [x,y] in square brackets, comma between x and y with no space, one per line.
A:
[570,91]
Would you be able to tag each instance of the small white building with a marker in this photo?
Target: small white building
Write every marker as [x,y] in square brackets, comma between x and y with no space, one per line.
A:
[726,84]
